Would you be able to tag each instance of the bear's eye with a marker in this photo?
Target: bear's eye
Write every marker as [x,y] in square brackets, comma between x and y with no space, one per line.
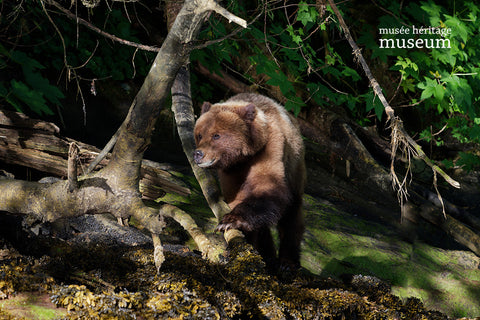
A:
[216,136]
[199,137]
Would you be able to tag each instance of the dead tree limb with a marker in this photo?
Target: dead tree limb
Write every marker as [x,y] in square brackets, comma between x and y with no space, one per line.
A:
[182,108]
[184,118]
[72,166]
[400,136]
[90,26]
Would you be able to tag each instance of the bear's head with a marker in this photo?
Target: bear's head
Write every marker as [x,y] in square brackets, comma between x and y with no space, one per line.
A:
[228,134]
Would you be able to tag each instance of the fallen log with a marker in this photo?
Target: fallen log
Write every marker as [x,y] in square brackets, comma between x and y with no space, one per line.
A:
[462,233]
[36,144]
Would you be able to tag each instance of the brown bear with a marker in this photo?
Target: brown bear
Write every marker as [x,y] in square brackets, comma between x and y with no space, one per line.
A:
[258,151]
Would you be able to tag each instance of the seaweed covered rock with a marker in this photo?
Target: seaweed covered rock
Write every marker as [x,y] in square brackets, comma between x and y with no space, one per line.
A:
[121,282]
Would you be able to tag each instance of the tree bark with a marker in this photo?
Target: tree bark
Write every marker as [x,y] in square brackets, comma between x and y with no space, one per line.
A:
[185,119]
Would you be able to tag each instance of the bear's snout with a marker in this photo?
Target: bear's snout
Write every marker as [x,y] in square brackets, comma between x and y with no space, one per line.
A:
[198,156]
[202,161]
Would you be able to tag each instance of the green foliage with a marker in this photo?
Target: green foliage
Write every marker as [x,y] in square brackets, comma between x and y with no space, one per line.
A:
[33,90]
[279,54]
[443,83]
[293,48]
[37,58]
[288,48]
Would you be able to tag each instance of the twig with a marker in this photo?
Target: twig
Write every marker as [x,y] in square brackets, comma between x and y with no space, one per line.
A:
[101,32]
[396,90]
[58,32]
[231,34]
[105,150]
[214,6]
[410,105]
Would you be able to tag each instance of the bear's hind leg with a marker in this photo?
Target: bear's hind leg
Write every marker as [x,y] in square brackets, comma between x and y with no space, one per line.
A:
[290,231]
[262,241]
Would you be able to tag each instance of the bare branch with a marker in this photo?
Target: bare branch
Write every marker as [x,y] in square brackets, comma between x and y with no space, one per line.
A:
[208,249]
[185,119]
[101,32]
[214,6]
[158,256]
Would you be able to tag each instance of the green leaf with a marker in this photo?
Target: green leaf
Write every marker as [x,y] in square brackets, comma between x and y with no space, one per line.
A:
[408,85]
[329,59]
[281,80]
[429,88]
[468,161]
[427,92]
[295,37]
[439,92]
[474,133]
[25,61]
[448,163]
[294,103]
[305,15]
[349,72]
[33,99]
[39,83]
[373,102]
[264,65]
[351,104]
[3,90]
[433,11]
[14,102]
[445,56]
[458,27]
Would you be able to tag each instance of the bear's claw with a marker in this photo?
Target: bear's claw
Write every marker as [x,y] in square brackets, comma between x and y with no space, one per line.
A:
[231,221]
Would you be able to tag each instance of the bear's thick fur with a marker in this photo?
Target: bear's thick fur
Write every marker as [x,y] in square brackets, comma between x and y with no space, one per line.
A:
[258,151]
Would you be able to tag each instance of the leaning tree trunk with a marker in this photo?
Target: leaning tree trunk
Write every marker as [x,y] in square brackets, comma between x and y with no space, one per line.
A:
[115,188]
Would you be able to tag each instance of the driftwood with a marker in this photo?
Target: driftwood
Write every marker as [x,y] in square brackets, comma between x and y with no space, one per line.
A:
[36,144]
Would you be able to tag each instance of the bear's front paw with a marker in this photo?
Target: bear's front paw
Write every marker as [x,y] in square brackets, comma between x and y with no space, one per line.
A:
[233,221]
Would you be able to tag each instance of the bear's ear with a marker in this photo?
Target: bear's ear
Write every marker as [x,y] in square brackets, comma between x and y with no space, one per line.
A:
[206,106]
[247,112]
